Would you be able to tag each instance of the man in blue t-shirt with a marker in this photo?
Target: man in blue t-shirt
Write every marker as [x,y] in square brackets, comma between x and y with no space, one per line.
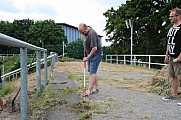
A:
[92,46]
[173,52]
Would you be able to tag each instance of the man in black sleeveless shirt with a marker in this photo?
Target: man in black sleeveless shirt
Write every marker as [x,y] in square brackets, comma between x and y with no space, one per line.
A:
[173,52]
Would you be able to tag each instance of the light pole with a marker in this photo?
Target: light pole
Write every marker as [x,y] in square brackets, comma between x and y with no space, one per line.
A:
[63,48]
[129,24]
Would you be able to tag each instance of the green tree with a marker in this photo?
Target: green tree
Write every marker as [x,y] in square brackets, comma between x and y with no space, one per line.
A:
[147,16]
[21,29]
[7,29]
[46,32]
[75,49]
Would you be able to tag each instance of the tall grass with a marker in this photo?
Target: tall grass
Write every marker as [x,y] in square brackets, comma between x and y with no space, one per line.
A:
[7,88]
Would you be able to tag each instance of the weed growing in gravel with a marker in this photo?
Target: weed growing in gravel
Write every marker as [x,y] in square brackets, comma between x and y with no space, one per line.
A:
[87,109]
[44,101]
[147,117]
[68,90]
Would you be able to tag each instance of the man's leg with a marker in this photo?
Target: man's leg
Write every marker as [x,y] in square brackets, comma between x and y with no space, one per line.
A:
[96,83]
[92,81]
[175,85]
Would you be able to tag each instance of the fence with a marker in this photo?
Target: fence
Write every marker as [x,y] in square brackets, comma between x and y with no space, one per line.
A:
[14,74]
[6,56]
[10,41]
[142,60]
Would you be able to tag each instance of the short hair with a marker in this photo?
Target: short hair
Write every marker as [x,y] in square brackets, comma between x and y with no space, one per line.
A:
[177,11]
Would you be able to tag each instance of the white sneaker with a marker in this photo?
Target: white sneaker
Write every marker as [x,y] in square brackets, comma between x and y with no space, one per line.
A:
[87,93]
[179,103]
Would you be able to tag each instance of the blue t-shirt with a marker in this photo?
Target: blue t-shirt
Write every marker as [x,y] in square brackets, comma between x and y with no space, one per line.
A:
[92,40]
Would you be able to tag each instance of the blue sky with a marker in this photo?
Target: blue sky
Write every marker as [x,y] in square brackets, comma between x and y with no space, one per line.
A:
[71,12]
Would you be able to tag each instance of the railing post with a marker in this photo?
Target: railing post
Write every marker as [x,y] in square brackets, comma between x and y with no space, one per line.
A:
[117,58]
[135,61]
[45,69]
[51,65]
[16,75]
[38,71]
[111,59]
[149,62]
[4,78]
[56,57]
[24,93]
[124,60]
[54,60]
[106,58]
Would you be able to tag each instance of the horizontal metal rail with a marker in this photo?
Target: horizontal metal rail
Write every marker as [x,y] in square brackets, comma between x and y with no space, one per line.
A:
[10,41]
[125,58]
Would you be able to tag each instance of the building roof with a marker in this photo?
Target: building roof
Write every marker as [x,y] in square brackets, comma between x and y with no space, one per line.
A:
[68,25]
[72,27]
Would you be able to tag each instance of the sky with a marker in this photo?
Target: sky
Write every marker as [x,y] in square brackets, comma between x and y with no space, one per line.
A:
[72,12]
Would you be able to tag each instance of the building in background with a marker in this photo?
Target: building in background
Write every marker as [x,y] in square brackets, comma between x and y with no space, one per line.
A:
[72,32]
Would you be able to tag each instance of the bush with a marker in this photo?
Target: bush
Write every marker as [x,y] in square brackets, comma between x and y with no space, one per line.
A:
[75,49]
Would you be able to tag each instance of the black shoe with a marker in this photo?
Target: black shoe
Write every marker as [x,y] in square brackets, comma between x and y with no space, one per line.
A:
[169,98]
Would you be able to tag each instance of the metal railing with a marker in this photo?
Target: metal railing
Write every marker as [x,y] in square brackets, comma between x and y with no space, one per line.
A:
[10,41]
[15,73]
[143,60]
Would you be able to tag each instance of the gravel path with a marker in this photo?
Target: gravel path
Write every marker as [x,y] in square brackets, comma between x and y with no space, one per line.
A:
[124,75]
[131,105]
[126,104]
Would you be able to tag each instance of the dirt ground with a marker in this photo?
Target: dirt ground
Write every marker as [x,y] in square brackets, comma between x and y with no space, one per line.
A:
[108,74]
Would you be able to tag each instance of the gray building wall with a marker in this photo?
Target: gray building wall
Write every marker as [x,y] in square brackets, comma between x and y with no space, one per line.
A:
[72,32]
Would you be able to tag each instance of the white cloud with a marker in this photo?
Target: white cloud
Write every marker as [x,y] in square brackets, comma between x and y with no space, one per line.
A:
[71,12]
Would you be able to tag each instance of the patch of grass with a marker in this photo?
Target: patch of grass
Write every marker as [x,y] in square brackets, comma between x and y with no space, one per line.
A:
[84,108]
[77,76]
[46,100]
[67,90]
[147,117]
[130,111]
[7,88]
[84,116]
[87,109]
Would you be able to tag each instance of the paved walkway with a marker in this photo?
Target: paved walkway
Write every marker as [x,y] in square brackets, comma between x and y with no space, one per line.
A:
[63,112]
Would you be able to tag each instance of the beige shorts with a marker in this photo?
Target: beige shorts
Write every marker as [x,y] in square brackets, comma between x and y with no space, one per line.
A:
[174,68]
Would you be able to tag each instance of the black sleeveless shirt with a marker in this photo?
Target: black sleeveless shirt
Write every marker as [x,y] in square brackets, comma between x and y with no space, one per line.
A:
[174,41]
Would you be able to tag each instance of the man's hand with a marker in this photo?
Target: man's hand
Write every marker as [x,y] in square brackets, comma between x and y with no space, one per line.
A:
[166,58]
[85,59]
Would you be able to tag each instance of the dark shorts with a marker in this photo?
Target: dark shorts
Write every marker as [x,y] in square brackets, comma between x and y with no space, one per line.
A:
[174,68]
[93,63]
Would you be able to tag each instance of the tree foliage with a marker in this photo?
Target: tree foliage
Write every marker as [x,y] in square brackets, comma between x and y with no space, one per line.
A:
[75,49]
[147,16]
[45,34]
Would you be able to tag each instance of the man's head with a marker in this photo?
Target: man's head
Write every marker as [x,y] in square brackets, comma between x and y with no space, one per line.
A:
[83,29]
[175,15]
